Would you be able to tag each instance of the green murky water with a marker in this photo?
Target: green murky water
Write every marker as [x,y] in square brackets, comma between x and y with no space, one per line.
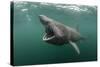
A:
[28,32]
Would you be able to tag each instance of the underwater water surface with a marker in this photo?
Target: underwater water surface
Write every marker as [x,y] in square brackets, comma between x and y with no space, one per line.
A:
[29,48]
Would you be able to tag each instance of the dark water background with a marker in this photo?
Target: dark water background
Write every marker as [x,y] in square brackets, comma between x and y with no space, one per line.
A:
[28,32]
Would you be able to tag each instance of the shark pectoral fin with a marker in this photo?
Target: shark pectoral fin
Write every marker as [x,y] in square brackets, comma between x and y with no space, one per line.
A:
[75,46]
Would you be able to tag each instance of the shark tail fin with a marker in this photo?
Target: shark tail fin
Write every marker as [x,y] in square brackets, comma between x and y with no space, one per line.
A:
[75,46]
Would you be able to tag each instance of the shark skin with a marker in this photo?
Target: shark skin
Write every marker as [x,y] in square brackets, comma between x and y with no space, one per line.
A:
[59,34]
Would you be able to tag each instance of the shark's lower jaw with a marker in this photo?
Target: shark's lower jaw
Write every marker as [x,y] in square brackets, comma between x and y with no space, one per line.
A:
[47,37]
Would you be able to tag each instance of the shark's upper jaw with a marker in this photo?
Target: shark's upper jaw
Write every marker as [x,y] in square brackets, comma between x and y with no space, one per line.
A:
[49,35]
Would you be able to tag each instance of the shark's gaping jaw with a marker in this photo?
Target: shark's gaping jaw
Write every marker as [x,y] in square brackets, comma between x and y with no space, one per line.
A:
[49,35]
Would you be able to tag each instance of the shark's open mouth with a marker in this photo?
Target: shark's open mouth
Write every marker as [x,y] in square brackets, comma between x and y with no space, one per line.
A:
[48,35]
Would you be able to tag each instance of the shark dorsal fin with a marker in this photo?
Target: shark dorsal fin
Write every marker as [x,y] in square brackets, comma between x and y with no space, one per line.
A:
[75,46]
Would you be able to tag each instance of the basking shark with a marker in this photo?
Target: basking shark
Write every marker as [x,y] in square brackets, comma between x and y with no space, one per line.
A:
[59,34]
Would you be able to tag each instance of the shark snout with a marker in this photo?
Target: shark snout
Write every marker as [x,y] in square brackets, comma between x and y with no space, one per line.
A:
[44,19]
[41,15]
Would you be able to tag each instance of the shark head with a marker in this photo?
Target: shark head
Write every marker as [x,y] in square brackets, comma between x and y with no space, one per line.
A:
[44,20]
[51,33]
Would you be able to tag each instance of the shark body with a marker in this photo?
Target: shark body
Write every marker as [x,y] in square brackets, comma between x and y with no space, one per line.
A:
[59,34]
